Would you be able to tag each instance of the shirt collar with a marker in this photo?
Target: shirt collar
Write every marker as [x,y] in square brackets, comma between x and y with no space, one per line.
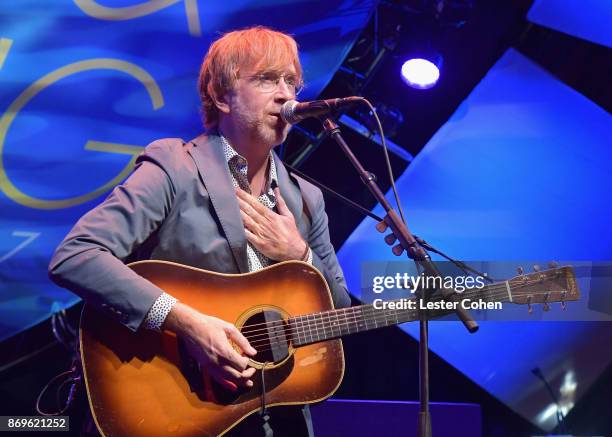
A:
[242,165]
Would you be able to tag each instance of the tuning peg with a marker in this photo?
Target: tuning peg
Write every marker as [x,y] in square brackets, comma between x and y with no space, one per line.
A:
[520,270]
[546,305]
[397,250]
[553,264]
[529,307]
[563,303]
[536,268]
[381,227]
[390,239]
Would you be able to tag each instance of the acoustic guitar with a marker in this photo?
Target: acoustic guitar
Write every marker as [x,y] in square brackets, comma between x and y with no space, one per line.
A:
[145,384]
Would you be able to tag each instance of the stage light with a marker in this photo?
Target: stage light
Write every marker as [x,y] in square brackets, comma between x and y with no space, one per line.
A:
[420,73]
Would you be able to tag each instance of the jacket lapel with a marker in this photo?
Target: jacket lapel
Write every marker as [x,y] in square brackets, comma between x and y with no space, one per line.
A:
[209,158]
[292,195]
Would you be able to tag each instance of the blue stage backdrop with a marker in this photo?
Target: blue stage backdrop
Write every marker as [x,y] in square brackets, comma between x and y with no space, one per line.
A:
[85,84]
[586,19]
[521,171]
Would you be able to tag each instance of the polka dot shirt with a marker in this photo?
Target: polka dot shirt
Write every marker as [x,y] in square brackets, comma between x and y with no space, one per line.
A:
[238,167]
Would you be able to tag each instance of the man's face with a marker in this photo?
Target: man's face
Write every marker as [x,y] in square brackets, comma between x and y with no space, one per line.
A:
[256,100]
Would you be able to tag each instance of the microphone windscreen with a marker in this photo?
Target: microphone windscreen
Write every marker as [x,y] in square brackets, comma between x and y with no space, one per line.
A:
[287,112]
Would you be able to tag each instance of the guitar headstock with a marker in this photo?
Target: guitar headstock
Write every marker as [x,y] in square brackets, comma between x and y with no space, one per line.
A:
[553,285]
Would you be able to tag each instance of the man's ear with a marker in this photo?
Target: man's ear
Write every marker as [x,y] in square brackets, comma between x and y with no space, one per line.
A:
[221,103]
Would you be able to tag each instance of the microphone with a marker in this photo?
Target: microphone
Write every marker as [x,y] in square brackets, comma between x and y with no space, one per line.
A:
[293,112]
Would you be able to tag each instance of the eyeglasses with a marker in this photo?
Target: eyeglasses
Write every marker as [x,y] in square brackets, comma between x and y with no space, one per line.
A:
[268,82]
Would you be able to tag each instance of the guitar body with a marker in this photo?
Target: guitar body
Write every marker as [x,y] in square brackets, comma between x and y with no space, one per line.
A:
[145,384]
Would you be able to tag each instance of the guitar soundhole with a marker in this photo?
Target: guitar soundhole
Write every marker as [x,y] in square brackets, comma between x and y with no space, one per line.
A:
[269,334]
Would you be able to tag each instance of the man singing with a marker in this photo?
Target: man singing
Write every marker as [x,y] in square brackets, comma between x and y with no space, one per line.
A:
[222,202]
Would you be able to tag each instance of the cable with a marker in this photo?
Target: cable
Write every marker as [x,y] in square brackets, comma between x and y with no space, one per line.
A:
[75,379]
[387,160]
[464,267]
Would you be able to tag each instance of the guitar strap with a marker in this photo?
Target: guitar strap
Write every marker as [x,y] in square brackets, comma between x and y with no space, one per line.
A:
[268,432]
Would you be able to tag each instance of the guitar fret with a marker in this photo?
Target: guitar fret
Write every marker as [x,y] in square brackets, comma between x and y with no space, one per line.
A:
[327,324]
[307,325]
[296,327]
[360,322]
[312,325]
[301,326]
[330,323]
[347,322]
[312,328]
[334,322]
[307,330]
[322,330]
[345,327]
[324,325]
[338,323]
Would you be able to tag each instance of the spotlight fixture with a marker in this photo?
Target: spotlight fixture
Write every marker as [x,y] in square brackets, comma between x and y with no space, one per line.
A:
[421,73]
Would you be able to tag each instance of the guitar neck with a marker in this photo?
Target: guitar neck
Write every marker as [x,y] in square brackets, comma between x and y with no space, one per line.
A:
[327,325]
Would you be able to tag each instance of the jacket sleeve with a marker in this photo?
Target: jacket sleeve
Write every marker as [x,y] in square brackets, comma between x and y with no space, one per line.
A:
[324,256]
[89,261]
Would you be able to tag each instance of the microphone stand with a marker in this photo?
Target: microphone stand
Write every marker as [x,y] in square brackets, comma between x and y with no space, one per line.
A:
[422,259]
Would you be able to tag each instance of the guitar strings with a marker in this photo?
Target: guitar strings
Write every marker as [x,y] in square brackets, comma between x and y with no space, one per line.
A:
[300,322]
[467,294]
[316,336]
[365,310]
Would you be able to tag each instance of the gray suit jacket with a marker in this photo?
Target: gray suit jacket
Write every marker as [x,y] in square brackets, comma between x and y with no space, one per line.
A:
[178,205]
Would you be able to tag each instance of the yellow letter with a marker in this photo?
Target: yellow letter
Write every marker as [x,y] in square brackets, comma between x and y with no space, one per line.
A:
[136,72]
[90,7]
[5,46]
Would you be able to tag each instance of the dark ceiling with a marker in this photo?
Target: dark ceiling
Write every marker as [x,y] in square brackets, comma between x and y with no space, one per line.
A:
[471,36]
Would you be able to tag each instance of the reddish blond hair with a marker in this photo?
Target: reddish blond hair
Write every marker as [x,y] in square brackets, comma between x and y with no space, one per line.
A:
[258,47]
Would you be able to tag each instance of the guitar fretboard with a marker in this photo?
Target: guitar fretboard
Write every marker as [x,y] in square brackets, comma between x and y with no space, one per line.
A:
[313,328]
[327,325]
